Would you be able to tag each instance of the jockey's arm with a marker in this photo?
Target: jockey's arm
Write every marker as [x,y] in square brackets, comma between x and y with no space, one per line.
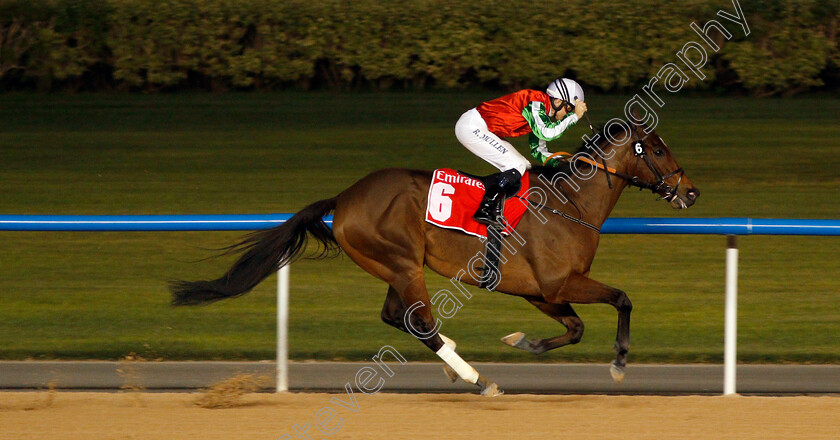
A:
[543,129]
[540,151]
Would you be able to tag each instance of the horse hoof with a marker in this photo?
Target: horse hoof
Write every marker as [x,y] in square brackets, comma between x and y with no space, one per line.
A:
[491,390]
[617,373]
[450,373]
[514,339]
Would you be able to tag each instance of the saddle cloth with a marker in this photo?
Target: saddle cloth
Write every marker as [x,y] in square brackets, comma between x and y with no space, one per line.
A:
[454,198]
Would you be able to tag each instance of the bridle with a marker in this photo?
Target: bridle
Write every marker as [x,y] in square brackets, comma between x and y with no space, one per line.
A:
[659,187]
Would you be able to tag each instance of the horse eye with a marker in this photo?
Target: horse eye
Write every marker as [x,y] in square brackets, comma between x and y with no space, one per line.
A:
[659,152]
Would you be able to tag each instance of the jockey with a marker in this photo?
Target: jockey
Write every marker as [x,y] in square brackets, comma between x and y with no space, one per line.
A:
[545,115]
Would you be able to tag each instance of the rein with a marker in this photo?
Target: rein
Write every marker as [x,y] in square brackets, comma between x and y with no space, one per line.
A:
[659,187]
[561,214]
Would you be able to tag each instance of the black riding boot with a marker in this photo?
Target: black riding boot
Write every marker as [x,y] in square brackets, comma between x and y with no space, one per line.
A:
[498,187]
[491,207]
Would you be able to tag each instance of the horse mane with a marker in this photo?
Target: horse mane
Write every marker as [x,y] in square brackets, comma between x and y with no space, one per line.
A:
[565,167]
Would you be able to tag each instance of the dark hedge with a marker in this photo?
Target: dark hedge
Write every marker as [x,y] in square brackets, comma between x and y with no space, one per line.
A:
[153,45]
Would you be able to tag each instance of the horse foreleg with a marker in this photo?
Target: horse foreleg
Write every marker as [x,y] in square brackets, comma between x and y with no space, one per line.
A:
[562,313]
[582,290]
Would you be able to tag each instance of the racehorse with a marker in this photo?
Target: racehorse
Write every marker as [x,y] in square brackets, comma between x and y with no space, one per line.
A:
[379,223]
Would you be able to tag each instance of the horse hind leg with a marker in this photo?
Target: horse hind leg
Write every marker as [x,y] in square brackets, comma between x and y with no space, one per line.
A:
[394,314]
[450,373]
[393,310]
[562,313]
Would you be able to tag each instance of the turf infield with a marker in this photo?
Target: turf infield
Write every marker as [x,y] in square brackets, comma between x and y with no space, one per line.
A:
[103,295]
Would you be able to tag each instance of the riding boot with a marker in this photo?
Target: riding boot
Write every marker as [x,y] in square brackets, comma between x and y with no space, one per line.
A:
[491,207]
[498,187]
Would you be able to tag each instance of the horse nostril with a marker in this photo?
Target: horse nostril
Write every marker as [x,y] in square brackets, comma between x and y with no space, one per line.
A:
[693,194]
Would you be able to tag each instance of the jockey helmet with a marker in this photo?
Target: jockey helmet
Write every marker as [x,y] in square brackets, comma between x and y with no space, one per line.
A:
[566,89]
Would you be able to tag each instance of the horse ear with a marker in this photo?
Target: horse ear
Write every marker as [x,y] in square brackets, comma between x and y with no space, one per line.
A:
[635,113]
[638,127]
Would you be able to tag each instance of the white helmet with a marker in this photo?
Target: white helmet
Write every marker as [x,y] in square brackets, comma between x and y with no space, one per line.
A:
[565,89]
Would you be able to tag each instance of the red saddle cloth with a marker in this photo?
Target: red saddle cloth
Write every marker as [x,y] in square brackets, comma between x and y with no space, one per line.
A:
[454,198]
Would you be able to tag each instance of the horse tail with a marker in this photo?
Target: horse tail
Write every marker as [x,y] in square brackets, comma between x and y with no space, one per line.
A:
[263,253]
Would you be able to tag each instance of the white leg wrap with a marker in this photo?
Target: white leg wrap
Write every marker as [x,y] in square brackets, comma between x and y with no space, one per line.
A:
[464,370]
[449,342]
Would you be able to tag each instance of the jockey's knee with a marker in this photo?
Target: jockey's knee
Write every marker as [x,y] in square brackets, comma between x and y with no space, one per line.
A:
[520,164]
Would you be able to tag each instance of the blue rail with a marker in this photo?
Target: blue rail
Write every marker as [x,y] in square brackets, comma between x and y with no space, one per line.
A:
[243,222]
[228,222]
[721,226]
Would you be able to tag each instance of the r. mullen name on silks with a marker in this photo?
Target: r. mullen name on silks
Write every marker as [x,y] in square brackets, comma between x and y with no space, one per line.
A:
[457,178]
[493,143]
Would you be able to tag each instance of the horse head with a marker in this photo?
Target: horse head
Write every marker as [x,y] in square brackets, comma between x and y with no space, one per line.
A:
[649,164]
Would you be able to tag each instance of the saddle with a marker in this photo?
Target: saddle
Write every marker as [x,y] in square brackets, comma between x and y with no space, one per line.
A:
[454,196]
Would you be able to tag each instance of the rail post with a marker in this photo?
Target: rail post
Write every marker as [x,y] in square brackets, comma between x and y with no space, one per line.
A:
[283,329]
[731,317]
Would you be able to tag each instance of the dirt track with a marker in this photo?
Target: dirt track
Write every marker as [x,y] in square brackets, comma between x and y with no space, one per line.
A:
[148,416]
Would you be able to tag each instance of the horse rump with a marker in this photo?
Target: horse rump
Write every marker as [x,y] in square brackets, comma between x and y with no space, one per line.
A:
[263,253]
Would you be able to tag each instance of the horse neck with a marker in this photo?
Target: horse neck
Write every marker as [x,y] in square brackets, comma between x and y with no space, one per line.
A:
[594,196]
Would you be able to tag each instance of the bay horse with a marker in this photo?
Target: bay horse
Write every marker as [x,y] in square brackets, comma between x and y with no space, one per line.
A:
[379,223]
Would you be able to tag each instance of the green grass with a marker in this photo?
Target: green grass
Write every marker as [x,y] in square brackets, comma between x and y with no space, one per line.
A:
[103,295]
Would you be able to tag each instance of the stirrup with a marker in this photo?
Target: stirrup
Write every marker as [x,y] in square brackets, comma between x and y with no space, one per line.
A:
[492,221]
